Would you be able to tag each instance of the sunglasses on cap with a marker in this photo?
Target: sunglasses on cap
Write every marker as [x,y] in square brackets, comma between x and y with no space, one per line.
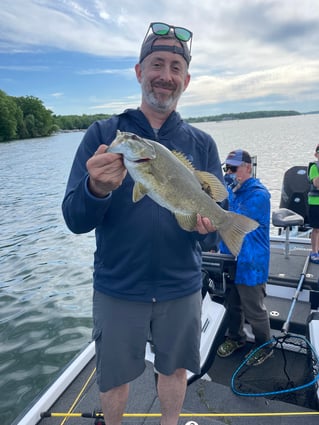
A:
[182,34]
[231,168]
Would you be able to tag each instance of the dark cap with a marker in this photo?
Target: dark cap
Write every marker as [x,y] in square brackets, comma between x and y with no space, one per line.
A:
[148,47]
[237,157]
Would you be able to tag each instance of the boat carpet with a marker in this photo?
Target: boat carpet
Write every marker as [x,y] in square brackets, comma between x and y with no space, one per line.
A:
[270,376]
[278,310]
[202,397]
[143,399]
[287,271]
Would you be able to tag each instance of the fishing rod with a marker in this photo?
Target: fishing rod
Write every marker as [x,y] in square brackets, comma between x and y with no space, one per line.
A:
[90,415]
[100,415]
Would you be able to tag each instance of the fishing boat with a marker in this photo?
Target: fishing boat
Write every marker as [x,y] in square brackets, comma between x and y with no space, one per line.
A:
[283,390]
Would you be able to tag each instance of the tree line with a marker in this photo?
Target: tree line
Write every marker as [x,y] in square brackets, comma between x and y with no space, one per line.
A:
[27,117]
[23,117]
[244,116]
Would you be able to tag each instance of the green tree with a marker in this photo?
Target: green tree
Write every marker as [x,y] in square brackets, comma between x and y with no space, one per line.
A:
[10,114]
[76,122]
[38,121]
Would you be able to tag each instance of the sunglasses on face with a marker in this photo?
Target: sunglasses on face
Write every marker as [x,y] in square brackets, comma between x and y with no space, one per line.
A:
[231,168]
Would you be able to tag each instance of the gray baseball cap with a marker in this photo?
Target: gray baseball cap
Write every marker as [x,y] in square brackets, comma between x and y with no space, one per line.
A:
[148,47]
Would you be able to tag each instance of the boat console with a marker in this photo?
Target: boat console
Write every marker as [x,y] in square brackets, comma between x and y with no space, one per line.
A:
[218,271]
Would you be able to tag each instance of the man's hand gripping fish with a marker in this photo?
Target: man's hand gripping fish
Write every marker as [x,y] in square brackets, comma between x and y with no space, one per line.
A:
[169,179]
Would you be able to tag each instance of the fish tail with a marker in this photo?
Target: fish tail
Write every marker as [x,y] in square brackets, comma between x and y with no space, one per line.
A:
[233,230]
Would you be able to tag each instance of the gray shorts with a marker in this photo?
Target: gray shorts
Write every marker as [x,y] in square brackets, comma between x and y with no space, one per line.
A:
[122,328]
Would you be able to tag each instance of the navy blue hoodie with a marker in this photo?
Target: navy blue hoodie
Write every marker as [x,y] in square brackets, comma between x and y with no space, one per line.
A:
[142,254]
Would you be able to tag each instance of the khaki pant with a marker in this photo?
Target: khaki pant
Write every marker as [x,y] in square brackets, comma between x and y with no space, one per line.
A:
[247,303]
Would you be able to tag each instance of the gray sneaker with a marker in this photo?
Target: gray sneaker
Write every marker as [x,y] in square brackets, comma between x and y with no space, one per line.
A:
[229,347]
[259,356]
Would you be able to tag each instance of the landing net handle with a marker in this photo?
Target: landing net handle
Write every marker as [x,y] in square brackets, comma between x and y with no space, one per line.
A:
[285,326]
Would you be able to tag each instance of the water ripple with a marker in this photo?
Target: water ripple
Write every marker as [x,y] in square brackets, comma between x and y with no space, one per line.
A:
[46,272]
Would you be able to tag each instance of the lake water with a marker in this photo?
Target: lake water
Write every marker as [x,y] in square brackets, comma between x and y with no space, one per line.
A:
[45,270]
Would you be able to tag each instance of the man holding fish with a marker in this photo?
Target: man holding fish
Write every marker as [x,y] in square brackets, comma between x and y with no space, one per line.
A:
[147,266]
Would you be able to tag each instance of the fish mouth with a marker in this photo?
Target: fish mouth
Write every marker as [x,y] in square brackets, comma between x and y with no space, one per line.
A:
[132,147]
[136,158]
[133,158]
[142,160]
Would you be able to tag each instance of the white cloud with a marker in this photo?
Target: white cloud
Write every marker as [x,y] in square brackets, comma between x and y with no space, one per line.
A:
[242,49]
[286,80]
[57,94]
[128,72]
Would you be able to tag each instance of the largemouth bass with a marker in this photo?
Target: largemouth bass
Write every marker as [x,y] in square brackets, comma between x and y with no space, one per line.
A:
[170,180]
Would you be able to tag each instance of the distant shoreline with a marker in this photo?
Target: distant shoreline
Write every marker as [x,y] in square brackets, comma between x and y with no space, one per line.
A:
[247,115]
[47,124]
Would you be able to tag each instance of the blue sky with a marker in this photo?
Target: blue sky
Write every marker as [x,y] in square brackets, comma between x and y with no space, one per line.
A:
[78,56]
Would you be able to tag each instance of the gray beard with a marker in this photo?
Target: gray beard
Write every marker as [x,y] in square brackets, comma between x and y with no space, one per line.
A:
[154,102]
[160,106]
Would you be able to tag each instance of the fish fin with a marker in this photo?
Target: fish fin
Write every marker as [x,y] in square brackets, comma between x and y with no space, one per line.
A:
[233,230]
[187,222]
[184,160]
[139,191]
[211,185]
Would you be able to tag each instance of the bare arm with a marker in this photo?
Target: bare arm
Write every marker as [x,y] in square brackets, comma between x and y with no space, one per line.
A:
[315,182]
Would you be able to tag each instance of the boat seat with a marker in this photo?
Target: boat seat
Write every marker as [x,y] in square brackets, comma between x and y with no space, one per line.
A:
[283,217]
